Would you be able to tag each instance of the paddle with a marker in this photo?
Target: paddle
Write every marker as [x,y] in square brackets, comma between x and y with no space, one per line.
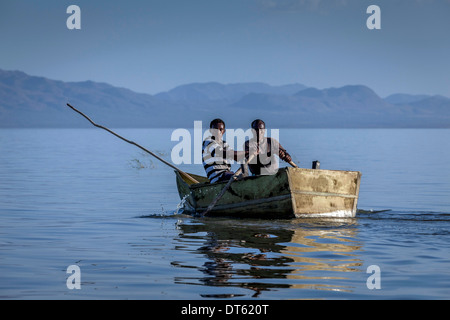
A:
[235,175]
[187,176]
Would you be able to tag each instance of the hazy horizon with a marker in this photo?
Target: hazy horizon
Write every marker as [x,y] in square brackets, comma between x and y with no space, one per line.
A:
[225,84]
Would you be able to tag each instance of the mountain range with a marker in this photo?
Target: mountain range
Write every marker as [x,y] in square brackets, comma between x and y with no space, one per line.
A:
[30,101]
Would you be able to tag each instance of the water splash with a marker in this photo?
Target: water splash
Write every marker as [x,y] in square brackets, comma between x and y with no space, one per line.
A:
[166,214]
[180,206]
[138,164]
[371,211]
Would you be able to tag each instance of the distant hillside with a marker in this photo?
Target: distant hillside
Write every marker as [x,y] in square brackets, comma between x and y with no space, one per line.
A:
[29,101]
[400,98]
[214,91]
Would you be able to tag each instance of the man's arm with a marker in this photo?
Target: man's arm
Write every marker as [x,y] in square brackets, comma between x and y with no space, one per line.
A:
[240,155]
[283,154]
[235,155]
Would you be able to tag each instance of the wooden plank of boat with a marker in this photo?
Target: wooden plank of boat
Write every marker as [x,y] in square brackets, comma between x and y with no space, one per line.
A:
[290,193]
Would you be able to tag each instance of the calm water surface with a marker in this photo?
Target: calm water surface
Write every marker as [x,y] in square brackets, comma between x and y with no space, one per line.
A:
[82,197]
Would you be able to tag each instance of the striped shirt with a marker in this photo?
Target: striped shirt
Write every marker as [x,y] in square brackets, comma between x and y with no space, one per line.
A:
[214,158]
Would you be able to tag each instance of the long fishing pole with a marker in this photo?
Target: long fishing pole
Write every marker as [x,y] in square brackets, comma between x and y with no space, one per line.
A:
[187,176]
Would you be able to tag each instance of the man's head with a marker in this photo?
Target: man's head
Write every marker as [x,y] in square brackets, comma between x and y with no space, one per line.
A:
[217,128]
[259,128]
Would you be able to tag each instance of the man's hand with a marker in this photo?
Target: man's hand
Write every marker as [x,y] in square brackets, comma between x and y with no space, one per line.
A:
[285,156]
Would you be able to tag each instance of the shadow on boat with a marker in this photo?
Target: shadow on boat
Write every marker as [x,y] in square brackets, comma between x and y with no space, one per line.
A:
[261,255]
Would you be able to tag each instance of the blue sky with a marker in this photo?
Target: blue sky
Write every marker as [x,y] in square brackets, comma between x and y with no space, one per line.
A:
[152,46]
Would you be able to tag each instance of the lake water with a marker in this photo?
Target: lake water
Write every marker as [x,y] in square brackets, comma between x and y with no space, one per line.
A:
[83,197]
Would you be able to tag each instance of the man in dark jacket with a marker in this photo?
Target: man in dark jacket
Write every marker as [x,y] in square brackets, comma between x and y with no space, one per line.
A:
[267,148]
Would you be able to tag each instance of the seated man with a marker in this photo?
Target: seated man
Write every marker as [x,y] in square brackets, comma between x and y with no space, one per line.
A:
[265,162]
[215,152]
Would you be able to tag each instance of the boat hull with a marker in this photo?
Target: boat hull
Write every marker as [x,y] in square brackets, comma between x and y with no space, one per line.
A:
[290,193]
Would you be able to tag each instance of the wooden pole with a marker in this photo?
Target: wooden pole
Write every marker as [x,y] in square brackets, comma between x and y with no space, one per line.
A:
[293,164]
[187,176]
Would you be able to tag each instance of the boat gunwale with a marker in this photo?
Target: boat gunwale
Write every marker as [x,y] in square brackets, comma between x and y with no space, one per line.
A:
[192,188]
[207,183]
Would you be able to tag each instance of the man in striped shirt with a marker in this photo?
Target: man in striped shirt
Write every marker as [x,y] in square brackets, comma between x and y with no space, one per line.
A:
[216,153]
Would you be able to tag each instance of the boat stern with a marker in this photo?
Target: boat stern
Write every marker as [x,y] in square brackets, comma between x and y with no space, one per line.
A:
[324,193]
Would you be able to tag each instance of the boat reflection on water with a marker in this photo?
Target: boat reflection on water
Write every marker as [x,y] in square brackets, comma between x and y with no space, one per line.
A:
[269,255]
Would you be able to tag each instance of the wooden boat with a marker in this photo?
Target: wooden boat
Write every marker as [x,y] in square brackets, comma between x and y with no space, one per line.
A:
[290,193]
